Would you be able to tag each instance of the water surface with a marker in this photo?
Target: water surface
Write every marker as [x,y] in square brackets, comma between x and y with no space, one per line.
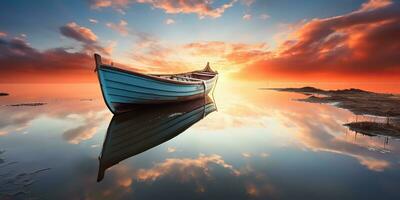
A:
[257,144]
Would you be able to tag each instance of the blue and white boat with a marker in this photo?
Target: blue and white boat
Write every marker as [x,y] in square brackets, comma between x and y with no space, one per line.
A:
[122,88]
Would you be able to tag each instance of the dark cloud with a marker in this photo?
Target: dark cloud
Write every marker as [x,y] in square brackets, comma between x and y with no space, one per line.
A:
[362,43]
[24,63]
[86,37]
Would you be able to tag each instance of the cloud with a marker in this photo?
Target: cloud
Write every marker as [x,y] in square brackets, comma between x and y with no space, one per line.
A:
[203,8]
[121,27]
[246,155]
[31,65]
[27,64]
[85,36]
[3,34]
[169,21]
[374,4]
[19,54]
[93,21]
[361,43]
[247,17]
[264,16]
[158,56]
[118,5]
[78,33]
[229,53]
[248,2]
[94,4]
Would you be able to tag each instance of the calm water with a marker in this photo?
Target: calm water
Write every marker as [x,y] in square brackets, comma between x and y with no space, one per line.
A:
[255,144]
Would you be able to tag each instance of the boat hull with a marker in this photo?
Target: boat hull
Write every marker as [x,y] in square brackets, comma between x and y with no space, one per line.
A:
[122,89]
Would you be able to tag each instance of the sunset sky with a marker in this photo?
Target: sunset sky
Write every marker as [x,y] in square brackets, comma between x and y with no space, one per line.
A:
[253,40]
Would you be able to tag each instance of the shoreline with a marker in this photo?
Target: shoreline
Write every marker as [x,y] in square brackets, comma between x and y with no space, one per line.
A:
[359,102]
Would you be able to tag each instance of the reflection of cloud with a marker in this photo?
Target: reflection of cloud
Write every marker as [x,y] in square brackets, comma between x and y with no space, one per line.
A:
[246,155]
[322,131]
[171,149]
[76,135]
[260,190]
[85,131]
[185,169]
[374,164]
[264,155]
[19,118]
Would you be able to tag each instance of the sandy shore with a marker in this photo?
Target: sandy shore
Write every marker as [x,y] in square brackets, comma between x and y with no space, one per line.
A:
[359,102]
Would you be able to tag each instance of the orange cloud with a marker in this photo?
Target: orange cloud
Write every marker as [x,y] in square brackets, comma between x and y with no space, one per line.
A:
[118,5]
[100,3]
[158,56]
[361,43]
[121,27]
[3,34]
[202,8]
[373,4]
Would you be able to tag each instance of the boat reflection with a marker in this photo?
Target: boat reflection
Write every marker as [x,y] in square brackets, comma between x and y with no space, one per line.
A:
[134,132]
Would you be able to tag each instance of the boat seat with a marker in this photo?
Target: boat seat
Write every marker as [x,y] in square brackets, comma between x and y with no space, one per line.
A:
[191,78]
[202,74]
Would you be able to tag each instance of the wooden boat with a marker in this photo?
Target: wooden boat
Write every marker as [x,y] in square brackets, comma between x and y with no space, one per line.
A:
[122,88]
[134,132]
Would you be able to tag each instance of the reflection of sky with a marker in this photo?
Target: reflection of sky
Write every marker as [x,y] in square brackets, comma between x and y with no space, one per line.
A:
[259,144]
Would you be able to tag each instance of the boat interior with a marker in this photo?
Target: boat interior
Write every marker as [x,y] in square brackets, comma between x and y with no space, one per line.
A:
[197,76]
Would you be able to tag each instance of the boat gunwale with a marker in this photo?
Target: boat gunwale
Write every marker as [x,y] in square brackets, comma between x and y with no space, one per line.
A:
[155,76]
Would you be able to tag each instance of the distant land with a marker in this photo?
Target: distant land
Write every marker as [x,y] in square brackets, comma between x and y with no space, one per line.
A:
[359,102]
[28,104]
